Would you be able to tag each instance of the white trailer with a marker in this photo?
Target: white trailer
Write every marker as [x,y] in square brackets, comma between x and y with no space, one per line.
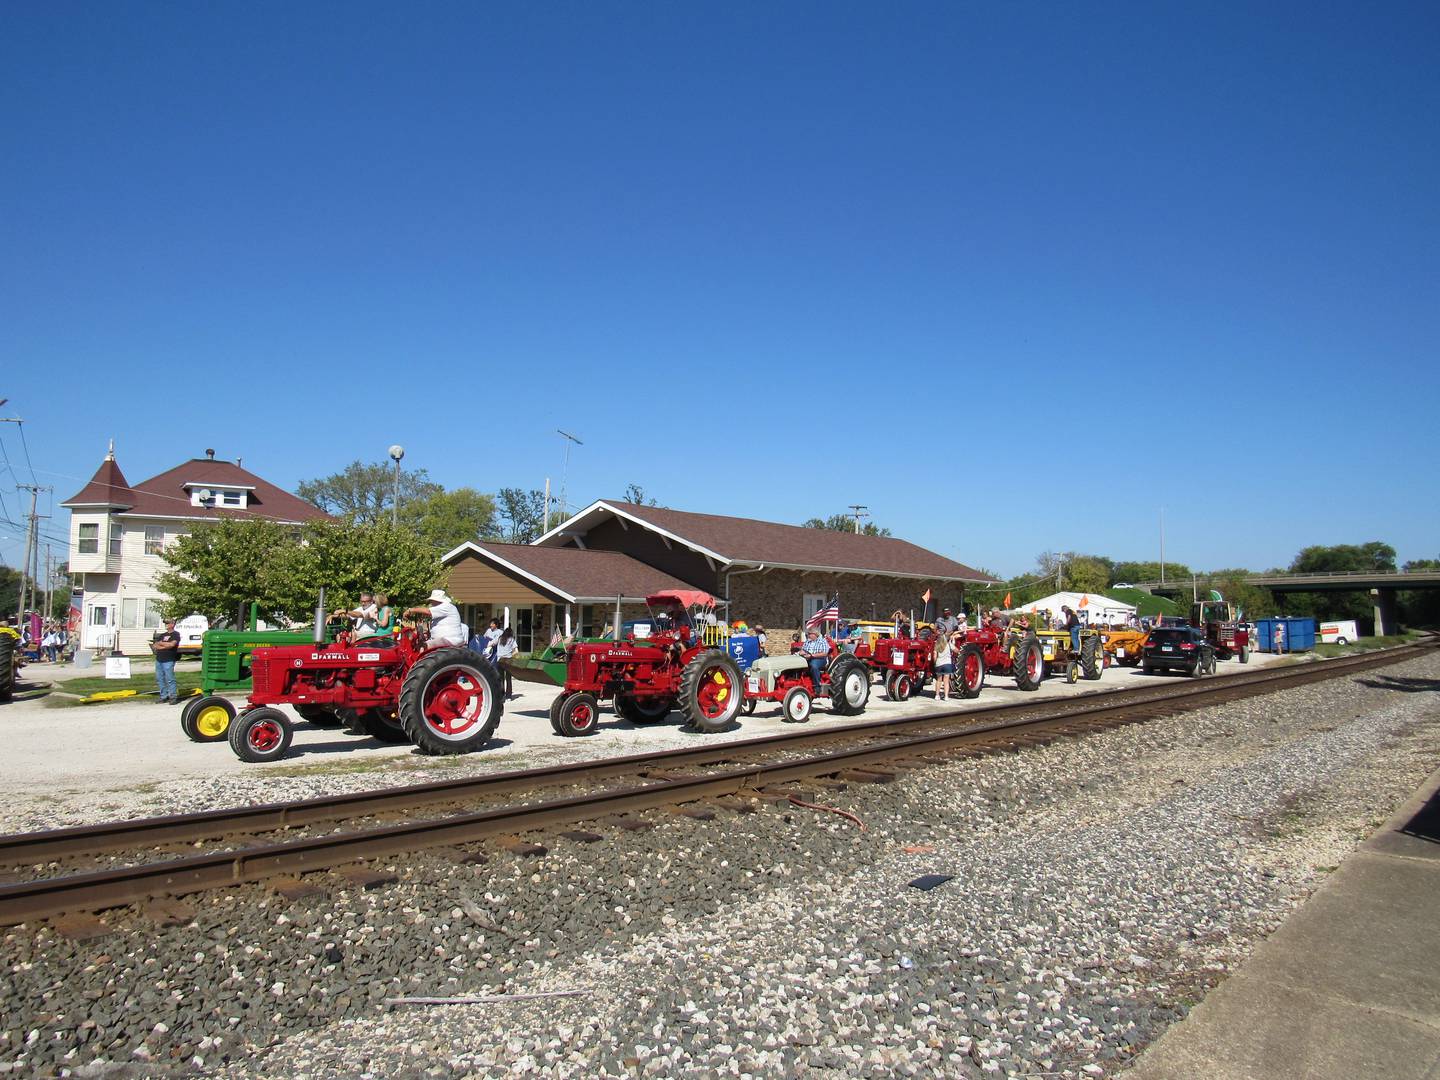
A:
[1342,632]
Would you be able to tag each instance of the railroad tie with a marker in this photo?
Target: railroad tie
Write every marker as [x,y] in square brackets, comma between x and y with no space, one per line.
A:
[524,848]
[169,912]
[366,877]
[80,926]
[293,888]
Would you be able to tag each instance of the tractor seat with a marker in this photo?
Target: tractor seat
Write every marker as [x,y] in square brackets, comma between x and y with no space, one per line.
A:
[777,664]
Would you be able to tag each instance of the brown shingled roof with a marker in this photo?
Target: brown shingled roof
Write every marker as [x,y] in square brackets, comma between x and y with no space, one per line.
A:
[578,573]
[166,495]
[108,487]
[747,540]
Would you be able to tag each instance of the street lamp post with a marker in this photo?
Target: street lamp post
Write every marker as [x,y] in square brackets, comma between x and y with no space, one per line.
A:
[396,453]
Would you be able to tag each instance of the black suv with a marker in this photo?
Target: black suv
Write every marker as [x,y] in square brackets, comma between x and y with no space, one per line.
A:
[1182,647]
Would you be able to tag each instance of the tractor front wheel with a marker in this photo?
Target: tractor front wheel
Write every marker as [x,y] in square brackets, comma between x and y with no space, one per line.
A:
[1028,661]
[260,735]
[207,719]
[796,705]
[450,702]
[749,707]
[899,686]
[1244,654]
[711,691]
[555,712]
[578,714]
[849,686]
[969,677]
[1092,658]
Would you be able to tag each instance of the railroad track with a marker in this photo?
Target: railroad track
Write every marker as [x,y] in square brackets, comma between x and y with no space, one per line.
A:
[742,767]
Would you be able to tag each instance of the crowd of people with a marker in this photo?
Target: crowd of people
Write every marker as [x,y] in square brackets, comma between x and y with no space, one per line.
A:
[41,639]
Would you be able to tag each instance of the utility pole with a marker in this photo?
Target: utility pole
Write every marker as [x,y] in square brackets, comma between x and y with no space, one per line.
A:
[30,568]
[857,511]
[49,582]
[396,453]
[1162,545]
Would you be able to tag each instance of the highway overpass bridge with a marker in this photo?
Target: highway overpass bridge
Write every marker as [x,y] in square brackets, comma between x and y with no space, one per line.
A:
[1381,586]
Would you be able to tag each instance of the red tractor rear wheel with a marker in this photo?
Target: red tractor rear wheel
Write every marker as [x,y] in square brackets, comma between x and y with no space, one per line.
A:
[969,677]
[1028,661]
[711,691]
[450,702]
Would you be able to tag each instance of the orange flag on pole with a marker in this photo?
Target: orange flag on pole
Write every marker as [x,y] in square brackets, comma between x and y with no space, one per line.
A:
[1084,600]
[1007,599]
[926,597]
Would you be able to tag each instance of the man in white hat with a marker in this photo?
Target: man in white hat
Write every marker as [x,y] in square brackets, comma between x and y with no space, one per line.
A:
[445,625]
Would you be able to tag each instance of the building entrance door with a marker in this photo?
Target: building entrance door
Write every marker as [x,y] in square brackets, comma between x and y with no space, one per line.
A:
[99,630]
[525,629]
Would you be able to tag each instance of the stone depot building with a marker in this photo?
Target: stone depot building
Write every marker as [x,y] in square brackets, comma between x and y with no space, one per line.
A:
[615,552]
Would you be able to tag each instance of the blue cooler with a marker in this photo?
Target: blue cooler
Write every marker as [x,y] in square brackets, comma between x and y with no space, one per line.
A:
[744,650]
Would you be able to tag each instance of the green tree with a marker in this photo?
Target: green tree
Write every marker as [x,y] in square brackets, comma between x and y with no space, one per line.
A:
[1148,571]
[521,514]
[1233,584]
[845,523]
[1420,607]
[220,566]
[635,494]
[350,559]
[364,493]
[9,591]
[223,565]
[447,519]
[1373,557]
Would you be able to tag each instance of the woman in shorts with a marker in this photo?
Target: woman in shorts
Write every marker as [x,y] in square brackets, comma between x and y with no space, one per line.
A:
[944,665]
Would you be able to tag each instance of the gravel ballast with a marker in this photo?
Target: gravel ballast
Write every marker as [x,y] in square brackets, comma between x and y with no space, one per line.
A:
[1100,886]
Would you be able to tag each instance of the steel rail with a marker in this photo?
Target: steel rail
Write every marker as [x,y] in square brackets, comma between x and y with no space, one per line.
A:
[36,847]
[27,901]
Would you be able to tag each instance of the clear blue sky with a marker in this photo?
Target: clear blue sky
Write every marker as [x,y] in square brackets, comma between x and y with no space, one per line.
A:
[765,259]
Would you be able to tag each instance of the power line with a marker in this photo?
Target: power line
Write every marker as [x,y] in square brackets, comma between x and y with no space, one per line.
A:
[26,445]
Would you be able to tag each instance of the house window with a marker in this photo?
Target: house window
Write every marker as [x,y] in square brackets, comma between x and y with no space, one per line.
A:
[152,614]
[232,498]
[154,539]
[810,603]
[89,539]
[129,610]
[115,532]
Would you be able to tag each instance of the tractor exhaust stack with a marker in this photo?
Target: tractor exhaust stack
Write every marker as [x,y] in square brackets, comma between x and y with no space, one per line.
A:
[320,618]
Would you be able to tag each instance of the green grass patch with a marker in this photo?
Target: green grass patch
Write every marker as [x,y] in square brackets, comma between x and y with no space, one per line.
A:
[1367,644]
[98,684]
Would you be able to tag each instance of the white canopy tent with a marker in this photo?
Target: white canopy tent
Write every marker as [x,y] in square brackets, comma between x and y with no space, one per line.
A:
[1091,607]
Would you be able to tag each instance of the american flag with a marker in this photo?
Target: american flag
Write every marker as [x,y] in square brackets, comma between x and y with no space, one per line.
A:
[829,611]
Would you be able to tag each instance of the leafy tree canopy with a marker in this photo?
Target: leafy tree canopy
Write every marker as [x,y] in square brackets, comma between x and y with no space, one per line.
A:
[364,494]
[1374,557]
[223,565]
[845,523]
[447,519]
[634,493]
[521,514]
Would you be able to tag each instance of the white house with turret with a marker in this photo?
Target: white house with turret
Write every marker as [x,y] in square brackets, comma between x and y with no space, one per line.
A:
[118,531]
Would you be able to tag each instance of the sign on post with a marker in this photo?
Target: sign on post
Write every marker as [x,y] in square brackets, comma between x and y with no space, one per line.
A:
[117,667]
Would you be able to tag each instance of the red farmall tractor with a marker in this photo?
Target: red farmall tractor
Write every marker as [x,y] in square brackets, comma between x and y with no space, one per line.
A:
[1215,618]
[786,679]
[651,670]
[1006,652]
[445,700]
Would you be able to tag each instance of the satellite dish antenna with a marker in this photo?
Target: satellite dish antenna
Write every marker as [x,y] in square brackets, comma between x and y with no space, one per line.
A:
[206,495]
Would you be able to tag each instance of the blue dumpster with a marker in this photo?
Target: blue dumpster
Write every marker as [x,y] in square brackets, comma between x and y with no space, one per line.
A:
[1291,633]
[744,650]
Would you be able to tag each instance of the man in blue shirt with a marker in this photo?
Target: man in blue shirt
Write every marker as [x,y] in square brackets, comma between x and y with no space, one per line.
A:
[817,655]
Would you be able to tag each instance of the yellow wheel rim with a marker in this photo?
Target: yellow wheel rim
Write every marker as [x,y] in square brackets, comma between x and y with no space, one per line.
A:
[212,721]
